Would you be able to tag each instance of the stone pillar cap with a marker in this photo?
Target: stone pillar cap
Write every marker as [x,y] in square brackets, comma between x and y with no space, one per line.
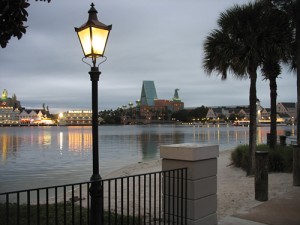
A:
[189,151]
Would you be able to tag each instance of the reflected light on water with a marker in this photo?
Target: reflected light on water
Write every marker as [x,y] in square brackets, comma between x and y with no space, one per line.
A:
[61,140]
[79,141]
[4,147]
[50,155]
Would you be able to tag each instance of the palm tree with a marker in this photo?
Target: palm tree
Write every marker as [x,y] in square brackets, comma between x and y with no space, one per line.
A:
[296,173]
[236,47]
[292,8]
[279,34]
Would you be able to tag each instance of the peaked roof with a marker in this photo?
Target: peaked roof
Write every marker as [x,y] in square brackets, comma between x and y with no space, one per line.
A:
[288,104]
[148,94]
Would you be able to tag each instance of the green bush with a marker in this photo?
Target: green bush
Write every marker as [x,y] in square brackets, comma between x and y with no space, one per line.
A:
[280,158]
[240,157]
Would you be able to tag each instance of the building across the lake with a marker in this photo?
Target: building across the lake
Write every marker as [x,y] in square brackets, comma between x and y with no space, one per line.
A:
[289,108]
[9,109]
[35,117]
[76,117]
[12,113]
[6,101]
[149,106]
[9,115]
[286,113]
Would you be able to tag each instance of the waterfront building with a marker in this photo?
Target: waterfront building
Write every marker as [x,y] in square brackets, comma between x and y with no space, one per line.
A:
[224,112]
[150,107]
[76,117]
[9,116]
[9,109]
[148,94]
[214,113]
[265,113]
[289,108]
[35,117]
[6,101]
[286,113]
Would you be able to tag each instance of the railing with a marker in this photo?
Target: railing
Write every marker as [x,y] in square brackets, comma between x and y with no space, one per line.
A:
[152,198]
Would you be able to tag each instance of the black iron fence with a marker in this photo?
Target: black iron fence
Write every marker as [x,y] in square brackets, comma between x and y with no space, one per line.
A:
[152,198]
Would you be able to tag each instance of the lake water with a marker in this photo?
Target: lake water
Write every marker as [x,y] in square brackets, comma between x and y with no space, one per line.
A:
[44,156]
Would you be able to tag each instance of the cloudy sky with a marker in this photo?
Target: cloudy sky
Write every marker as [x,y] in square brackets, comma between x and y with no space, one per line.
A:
[159,40]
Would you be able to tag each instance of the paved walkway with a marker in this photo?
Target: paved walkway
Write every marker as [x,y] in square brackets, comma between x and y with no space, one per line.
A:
[283,210]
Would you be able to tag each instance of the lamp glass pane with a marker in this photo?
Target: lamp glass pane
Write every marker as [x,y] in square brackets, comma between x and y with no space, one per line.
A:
[99,40]
[85,39]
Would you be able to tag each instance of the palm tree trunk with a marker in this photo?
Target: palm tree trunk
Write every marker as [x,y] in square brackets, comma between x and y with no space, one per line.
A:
[296,154]
[298,65]
[252,125]
[273,97]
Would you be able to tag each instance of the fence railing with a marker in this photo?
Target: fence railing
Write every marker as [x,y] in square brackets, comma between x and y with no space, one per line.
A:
[152,198]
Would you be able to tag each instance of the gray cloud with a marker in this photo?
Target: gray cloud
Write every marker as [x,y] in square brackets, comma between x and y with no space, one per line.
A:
[150,40]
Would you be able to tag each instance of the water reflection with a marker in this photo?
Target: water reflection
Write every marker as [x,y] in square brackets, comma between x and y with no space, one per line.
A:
[32,156]
[150,142]
[9,146]
[79,140]
[141,140]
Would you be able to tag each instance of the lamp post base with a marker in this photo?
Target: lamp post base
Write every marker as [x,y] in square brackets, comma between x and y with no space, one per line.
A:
[96,189]
[96,193]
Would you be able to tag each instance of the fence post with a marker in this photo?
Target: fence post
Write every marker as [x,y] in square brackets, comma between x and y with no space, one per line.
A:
[282,139]
[201,190]
[261,175]
[296,165]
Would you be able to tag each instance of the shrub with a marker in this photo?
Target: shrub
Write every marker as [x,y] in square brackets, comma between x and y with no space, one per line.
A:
[280,158]
[240,156]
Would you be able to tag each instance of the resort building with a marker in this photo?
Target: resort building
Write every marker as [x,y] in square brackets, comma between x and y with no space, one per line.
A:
[9,109]
[35,117]
[9,116]
[286,113]
[149,107]
[289,108]
[76,117]
[223,112]
[5,101]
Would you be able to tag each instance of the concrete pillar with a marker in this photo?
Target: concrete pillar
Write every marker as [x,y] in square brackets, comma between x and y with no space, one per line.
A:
[201,163]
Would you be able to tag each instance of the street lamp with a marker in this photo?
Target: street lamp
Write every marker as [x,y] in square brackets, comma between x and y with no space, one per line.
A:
[93,36]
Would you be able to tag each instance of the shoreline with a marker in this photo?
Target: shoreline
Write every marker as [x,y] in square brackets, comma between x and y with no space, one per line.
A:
[235,191]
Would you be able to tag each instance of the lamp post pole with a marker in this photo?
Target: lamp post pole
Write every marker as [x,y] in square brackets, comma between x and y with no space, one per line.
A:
[93,37]
[96,189]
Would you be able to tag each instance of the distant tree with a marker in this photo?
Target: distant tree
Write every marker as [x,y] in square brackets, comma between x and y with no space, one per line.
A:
[13,15]
[14,97]
[111,116]
[232,117]
[182,115]
[199,112]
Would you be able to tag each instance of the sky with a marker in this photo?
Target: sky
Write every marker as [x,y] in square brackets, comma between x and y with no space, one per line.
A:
[158,40]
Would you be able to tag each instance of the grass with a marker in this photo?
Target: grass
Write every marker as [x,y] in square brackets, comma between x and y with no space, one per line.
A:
[280,158]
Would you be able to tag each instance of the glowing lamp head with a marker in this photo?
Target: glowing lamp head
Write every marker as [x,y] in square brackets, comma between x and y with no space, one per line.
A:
[93,36]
